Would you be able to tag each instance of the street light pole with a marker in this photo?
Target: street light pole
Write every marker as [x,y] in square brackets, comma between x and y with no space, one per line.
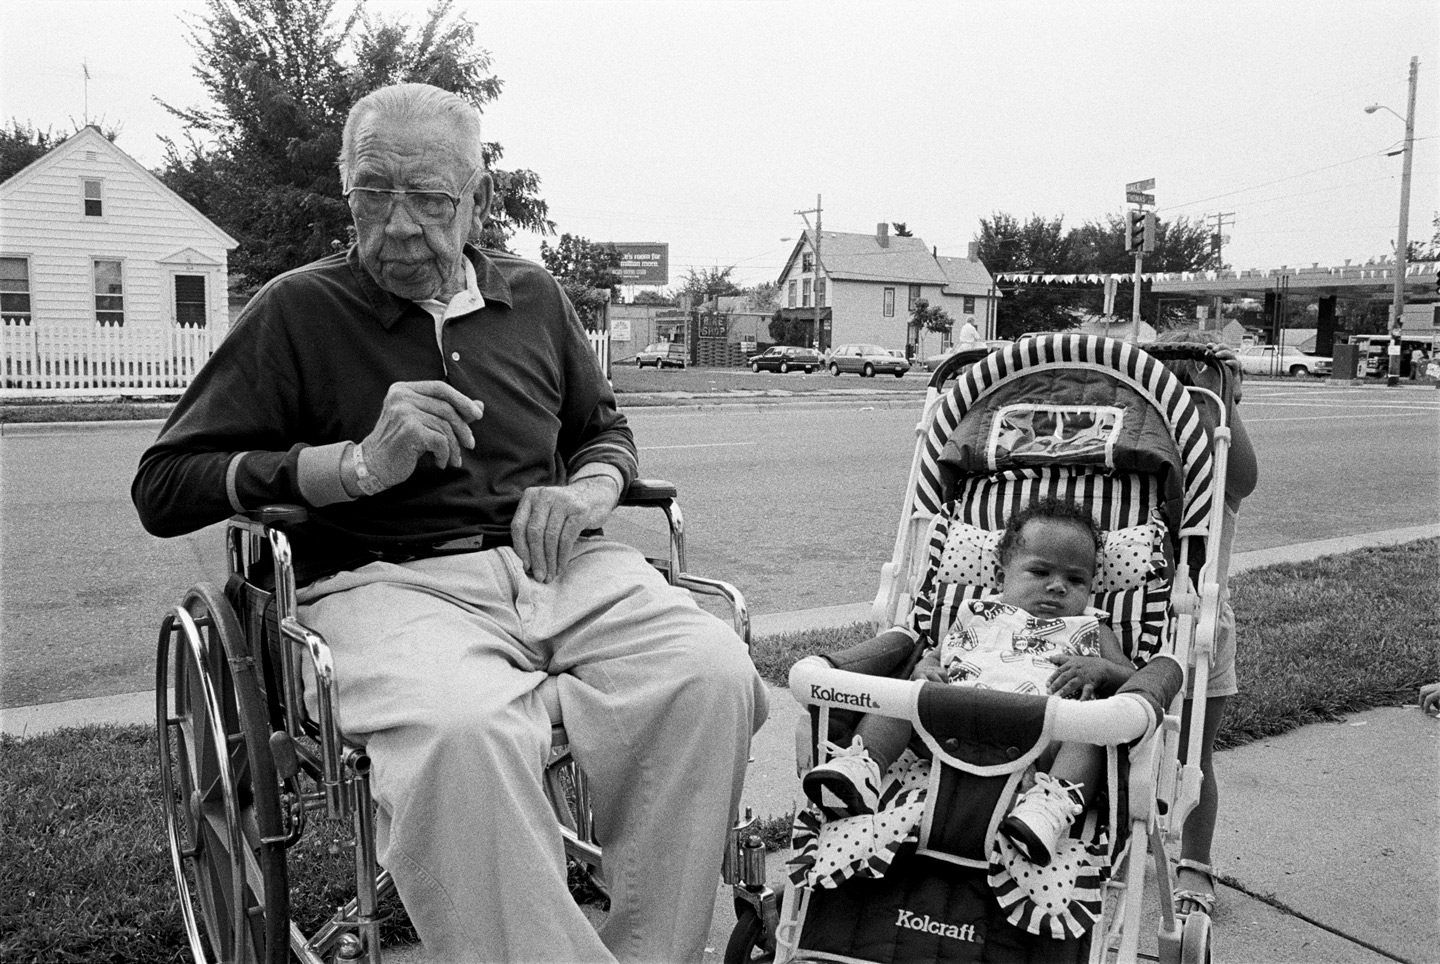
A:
[1402,233]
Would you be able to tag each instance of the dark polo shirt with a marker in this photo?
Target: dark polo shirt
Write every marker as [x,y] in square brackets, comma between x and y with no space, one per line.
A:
[308,363]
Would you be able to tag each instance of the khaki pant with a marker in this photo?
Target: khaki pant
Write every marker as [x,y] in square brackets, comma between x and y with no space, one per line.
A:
[437,663]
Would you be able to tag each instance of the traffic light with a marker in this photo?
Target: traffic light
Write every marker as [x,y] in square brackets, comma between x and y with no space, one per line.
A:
[1139,232]
[1134,231]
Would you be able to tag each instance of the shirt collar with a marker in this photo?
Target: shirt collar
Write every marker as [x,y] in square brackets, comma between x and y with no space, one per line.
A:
[490,283]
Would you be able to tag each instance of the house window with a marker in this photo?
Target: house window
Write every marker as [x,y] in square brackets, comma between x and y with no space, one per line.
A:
[914,297]
[807,262]
[969,304]
[190,300]
[15,291]
[889,302]
[109,293]
[792,294]
[805,293]
[820,292]
[94,203]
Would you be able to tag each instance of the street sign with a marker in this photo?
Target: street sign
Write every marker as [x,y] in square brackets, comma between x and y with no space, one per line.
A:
[1135,197]
[1146,185]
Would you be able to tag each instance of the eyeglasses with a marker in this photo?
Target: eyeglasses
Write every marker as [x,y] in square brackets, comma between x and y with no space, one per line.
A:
[424,207]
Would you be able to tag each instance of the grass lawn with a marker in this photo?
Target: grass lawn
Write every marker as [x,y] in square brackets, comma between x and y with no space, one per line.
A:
[87,873]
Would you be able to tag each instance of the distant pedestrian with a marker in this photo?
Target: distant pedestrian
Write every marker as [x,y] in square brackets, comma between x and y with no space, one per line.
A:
[1418,361]
[969,336]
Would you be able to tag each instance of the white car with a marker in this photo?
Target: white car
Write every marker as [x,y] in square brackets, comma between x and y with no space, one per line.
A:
[1268,360]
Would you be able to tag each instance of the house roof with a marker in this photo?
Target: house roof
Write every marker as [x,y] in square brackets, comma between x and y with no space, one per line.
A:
[89,138]
[966,277]
[861,257]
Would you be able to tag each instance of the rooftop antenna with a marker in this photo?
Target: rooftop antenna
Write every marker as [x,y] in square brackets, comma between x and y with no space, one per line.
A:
[85,66]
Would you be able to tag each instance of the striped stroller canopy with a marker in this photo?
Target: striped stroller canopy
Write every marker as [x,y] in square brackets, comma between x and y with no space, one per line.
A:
[1046,367]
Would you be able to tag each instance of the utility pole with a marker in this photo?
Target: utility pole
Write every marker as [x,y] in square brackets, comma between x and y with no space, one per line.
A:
[1217,244]
[1139,239]
[815,282]
[1402,235]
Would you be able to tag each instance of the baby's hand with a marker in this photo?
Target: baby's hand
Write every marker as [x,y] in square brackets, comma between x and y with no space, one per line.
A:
[929,670]
[1078,676]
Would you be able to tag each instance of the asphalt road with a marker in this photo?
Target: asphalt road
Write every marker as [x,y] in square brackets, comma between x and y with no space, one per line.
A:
[797,505]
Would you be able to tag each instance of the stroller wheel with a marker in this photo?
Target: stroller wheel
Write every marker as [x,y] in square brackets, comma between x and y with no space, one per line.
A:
[748,939]
[1195,939]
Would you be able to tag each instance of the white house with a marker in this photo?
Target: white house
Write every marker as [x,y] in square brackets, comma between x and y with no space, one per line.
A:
[94,249]
[868,284]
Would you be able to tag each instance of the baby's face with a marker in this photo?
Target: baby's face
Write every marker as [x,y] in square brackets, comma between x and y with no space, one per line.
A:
[1052,569]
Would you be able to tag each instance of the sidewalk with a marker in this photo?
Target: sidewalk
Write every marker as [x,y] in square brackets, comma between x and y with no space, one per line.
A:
[1329,838]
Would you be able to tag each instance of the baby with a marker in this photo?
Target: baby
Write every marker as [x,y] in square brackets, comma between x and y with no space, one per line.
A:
[1040,637]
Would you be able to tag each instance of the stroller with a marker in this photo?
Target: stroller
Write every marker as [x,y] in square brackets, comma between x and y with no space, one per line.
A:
[1099,422]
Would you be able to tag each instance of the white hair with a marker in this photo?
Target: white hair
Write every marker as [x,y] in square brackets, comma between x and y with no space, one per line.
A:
[411,102]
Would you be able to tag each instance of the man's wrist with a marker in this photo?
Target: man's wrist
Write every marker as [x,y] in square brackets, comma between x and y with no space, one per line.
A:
[364,481]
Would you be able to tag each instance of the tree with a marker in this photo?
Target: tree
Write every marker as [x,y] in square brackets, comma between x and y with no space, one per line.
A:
[764,296]
[658,298]
[22,145]
[1042,246]
[589,273]
[1420,250]
[707,284]
[925,318]
[282,75]
[1038,246]
[796,331]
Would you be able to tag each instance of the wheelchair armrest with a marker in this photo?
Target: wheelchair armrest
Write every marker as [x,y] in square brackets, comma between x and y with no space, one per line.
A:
[650,492]
[278,516]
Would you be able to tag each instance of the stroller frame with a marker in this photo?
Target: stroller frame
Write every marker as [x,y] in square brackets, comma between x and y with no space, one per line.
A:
[243,765]
[1161,791]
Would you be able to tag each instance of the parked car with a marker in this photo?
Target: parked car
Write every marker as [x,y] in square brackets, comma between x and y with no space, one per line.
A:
[1268,360]
[661,355]
[935,361]
[784,358]
[867,361]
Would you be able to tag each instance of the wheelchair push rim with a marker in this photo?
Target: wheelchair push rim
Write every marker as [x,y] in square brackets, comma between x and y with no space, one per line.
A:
[222,807]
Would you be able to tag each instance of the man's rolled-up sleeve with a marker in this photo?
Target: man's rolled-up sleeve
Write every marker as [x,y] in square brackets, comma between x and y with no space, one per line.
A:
[228,444]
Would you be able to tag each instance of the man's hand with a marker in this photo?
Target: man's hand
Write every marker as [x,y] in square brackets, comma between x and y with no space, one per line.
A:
[420,417]
[1081,676]
[550,518]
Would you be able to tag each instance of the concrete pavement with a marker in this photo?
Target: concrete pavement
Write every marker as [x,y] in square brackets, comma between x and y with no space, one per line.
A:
[1329,840]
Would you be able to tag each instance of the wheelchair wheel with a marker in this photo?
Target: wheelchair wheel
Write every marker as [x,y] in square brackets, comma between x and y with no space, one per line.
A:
[221,794]
[748,940]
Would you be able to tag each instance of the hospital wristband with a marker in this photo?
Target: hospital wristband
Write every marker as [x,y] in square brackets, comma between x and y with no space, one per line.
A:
[365,480]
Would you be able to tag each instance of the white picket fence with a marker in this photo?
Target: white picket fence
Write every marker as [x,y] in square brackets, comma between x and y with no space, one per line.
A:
[100,360]
[41,362]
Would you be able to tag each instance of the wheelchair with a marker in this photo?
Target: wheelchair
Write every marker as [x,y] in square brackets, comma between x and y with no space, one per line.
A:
[244,765]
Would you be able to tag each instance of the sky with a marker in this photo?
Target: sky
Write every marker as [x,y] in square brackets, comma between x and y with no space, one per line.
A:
[709,125]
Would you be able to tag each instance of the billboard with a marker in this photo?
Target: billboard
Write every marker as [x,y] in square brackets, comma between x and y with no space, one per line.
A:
[643,262]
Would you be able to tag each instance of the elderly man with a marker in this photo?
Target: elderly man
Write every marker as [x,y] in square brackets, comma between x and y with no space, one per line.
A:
[440,411]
